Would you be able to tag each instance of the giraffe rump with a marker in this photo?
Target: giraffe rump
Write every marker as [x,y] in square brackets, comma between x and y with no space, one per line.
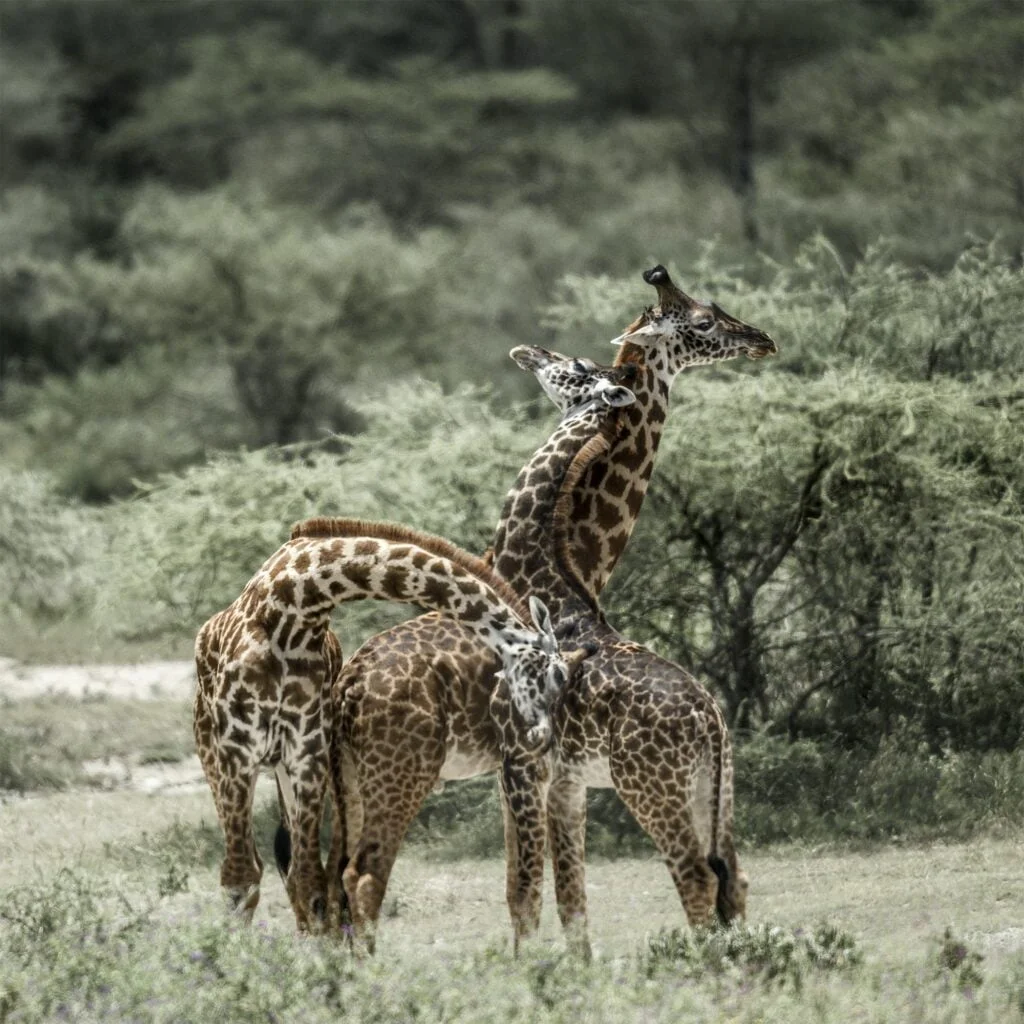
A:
[328,526]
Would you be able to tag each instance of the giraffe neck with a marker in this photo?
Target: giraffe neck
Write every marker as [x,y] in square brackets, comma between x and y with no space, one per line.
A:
[525,542]
[301,584]
[606,503]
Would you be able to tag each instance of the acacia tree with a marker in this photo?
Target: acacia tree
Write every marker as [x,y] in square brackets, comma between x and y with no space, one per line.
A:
[831,555]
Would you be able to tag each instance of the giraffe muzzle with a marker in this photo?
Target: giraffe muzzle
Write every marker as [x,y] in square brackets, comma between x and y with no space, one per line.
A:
[760,346]
[531,357]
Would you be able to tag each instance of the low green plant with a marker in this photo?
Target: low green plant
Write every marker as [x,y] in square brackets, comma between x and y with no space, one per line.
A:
[959,963]
[24,765]
[74,947]
[762,952]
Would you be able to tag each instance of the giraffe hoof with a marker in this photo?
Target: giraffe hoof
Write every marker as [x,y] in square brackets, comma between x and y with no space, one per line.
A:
[242,902]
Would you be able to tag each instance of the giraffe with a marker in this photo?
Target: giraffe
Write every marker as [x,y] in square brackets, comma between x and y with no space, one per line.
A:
[377,816]
[265,665]
[427,684]
[678,333]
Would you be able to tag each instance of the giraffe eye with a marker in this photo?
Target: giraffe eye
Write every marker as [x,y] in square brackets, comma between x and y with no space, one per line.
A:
[705,324]
[580,366]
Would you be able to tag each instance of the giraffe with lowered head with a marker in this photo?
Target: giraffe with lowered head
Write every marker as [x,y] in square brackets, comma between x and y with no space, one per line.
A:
[265,665]
[387,753]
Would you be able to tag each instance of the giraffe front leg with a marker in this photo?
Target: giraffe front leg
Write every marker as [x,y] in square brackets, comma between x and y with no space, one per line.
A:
[524,786]
[567,823]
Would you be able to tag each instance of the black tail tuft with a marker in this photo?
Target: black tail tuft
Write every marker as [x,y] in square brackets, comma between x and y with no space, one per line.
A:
[722,902]
[283,849]
[344,910]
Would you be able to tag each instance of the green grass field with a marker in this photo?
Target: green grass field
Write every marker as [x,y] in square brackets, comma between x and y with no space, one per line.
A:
[110,911]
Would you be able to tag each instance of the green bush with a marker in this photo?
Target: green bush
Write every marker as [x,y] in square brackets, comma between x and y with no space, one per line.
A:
[762,952]
[75,948]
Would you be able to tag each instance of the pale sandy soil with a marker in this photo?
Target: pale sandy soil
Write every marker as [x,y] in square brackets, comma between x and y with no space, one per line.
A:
[154,680]
[151,680]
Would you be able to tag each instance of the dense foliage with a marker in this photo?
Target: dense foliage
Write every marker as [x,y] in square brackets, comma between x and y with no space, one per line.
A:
[221,219]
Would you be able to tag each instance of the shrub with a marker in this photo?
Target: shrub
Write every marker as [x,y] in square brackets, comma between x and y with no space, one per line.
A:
[764,953]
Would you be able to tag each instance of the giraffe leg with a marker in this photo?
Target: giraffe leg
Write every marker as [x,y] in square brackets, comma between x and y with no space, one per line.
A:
[666,814]
[202,729]
[388,808]
[567,822]
[346,828]
[307,882]
[524,785]
[241,869]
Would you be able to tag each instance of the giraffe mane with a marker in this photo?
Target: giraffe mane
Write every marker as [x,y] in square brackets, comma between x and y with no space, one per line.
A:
[597,446]
[328,526]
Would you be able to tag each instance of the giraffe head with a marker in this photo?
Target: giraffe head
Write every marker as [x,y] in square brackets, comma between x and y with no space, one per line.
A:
[574,384]
[535,673]
[689,332]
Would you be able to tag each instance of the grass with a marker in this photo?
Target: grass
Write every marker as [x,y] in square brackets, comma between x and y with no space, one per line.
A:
[110,910]
[45,741]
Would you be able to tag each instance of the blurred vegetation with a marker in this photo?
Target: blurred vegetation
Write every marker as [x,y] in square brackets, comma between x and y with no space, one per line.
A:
[265,259]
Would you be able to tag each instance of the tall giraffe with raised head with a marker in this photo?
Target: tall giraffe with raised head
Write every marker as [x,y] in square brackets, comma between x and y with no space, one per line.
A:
[427,684]
[265,665]
[677,334]
[388,752]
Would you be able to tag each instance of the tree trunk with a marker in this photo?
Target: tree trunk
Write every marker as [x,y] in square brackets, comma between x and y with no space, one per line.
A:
[511,55]
[743,126]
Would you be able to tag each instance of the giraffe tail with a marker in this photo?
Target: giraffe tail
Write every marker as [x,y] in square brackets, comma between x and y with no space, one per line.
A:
[282,837]
[721,820]
[282,849]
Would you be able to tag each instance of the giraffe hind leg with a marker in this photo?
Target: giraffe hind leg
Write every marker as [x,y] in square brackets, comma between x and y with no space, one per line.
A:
[305,880]
[666,812]
[387,812]
[242,868]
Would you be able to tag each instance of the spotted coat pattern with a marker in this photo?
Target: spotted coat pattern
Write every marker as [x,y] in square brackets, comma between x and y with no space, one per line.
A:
[424,686]
[265,665]
[381,737]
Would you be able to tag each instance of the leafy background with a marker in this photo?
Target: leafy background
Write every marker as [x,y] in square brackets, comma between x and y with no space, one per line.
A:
[266,259]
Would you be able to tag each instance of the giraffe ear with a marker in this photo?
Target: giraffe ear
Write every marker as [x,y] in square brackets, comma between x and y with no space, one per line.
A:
[616,395]
[541,617]
[649,330]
